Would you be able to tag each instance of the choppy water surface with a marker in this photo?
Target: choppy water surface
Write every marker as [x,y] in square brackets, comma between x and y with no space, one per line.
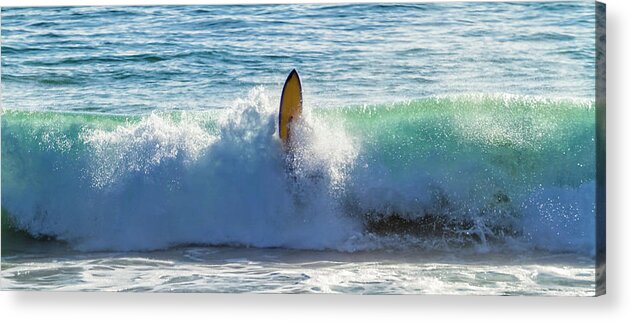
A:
[135,59]
[292,271]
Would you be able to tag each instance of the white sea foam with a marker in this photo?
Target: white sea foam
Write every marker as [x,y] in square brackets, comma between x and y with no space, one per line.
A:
[221,177]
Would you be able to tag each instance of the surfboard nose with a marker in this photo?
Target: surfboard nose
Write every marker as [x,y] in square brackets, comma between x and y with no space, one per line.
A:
[290,105]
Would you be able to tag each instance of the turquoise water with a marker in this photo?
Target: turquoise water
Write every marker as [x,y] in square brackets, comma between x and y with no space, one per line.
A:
[445,148]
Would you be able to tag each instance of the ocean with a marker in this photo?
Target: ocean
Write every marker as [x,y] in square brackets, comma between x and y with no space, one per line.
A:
[445,148]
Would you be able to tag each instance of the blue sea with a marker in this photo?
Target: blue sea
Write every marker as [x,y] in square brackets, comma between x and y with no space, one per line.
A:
[445,148]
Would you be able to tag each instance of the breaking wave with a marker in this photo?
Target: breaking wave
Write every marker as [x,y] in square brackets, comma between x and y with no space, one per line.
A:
[454,171]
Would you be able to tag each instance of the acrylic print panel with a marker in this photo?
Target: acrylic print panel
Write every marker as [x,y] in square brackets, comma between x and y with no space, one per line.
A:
[418,148]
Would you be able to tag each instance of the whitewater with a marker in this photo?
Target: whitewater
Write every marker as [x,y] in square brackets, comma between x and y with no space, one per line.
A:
[149,182]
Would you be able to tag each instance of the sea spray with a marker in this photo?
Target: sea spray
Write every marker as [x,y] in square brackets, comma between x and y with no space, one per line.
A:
[487,170]
[162,180]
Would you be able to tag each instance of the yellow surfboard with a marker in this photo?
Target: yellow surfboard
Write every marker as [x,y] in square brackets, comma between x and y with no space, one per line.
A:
[290,106]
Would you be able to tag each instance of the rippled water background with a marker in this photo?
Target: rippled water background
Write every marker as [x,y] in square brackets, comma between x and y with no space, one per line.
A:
[135,59]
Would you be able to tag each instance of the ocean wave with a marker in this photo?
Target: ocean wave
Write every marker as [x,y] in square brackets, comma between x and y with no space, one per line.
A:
[453,171]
